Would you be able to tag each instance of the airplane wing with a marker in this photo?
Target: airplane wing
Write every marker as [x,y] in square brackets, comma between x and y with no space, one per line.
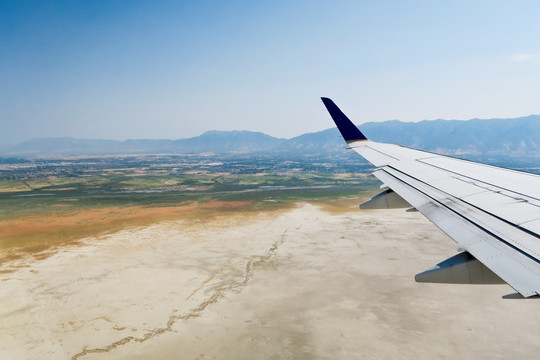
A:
[492,213]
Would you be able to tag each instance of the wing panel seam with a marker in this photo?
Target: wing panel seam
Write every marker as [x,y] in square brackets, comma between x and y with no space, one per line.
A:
[529,232]
[475,179]
[487,231]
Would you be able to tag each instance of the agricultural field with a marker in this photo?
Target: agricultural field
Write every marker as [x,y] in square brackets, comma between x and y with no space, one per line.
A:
[54,202]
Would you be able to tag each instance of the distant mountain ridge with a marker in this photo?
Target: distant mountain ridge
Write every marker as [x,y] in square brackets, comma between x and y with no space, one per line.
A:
[514,137]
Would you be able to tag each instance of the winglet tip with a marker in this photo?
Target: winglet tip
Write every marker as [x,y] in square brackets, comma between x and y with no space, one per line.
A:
[348,130]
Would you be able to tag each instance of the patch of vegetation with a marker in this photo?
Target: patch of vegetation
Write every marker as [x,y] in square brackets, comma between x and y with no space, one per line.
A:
[55,202]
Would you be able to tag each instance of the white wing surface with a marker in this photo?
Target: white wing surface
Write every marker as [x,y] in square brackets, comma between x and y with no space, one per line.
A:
[492,213]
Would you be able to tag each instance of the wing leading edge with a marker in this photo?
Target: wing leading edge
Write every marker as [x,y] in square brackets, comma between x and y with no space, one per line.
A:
[492,213]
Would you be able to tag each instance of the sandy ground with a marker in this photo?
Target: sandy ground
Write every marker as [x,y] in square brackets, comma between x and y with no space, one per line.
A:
[301,284]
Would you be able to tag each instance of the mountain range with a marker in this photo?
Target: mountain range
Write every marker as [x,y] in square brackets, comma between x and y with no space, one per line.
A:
[511,137]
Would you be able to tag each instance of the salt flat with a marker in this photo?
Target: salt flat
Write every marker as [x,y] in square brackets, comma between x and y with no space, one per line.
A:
[296,284]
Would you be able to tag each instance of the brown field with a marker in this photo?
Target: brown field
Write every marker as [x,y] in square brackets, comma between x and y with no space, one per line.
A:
[40,235]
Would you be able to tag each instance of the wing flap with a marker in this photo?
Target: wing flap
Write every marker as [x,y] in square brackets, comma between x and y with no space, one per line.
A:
[506,231]
[514,267]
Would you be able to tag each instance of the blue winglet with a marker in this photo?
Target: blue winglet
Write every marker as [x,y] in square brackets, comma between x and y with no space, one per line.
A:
[347,129]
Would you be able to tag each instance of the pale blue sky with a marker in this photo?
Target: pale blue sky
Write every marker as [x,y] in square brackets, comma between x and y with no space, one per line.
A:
[173,69]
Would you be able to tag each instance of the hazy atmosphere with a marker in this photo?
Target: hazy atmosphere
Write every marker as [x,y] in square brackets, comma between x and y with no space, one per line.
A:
[173,69]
